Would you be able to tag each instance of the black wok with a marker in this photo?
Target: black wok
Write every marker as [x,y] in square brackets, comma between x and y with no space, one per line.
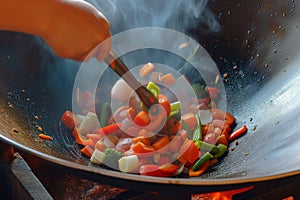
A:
[261,38]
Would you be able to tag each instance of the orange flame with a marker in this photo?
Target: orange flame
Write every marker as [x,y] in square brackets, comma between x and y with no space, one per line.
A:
[224,195]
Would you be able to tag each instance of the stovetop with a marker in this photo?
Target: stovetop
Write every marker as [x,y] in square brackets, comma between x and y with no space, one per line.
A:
[48,181]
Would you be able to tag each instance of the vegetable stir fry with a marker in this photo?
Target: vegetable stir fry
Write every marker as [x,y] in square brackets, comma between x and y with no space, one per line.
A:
[163,141]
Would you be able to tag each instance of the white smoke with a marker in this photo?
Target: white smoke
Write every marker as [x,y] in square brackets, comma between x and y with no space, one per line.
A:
[178,15]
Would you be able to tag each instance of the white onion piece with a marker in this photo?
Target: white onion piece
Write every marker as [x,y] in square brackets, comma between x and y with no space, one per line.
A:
[97,157]
[81,117]
[205,116]
[108,141]
[121,91]
[128,163]
[89,123]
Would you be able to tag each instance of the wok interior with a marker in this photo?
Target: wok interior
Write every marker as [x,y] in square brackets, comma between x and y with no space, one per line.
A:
[261,39]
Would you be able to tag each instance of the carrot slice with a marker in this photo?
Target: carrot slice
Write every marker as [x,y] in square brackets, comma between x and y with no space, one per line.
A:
[190,151]
[222,140]
[87,150]
[80,139]
[142,118]
[141,139]
[190,119]
[161,142]
[142,148]
[168,79]
[146,69]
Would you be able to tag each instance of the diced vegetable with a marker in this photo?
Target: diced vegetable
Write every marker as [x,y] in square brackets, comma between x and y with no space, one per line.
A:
[45,137]
[142,118]
[87,150]
[237,133]
[210,138]
[190,120]
[121,91]
[80,139]
[112,157]
[141,148]
[159,171]
[200,90]
[213,92]
[222,150]
[69,119]
[153,88]
[128,163]
[205,157]
[222,115]
[110,129]
[222,140]
[97,157]
[187,128]
[205,116]
[160,141]
[175,106]
[89,124]
[142,139]
[146,69]
[197,133]
[189,151]
[104,115]
[165,103]
[200,171]
[168,79]
[203,146]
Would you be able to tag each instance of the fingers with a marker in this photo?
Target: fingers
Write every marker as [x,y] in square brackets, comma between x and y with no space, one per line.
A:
[103,50]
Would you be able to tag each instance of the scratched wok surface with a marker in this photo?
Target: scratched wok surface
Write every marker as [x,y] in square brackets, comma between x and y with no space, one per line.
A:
[263,92]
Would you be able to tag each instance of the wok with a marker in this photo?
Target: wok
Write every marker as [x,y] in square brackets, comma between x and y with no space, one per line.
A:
[261,38]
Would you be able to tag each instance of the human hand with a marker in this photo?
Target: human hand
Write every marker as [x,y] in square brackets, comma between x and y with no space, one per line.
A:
[77,30]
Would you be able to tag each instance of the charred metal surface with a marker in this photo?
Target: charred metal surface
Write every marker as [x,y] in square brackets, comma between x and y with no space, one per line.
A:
[18,181]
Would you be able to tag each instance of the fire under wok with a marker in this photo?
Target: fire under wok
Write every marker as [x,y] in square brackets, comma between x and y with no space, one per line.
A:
[258,46]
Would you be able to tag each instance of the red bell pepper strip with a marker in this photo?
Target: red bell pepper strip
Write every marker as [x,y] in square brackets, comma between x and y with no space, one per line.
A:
[158,171]
[109,129]
[165,103]
[141,148]
[169,168]
[80,139]
[237,133]
[87,150]
[161,142]
[69,119]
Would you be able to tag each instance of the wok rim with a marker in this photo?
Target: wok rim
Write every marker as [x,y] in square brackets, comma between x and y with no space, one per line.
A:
[148,179]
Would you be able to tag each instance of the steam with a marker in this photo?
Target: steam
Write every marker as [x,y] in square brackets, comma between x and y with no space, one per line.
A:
[178,15]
